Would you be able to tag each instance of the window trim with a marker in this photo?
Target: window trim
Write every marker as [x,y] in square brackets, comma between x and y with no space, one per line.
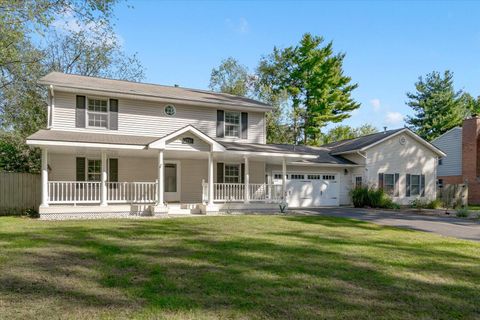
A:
[419,185]
[87,125]
[355,181]
[239,171]
[394,184]
[86,169]
[239,124]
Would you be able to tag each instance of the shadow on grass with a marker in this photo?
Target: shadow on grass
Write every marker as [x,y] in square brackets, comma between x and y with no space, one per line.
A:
[261,267]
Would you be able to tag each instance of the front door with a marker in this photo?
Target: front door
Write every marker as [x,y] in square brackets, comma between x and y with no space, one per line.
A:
[171,182]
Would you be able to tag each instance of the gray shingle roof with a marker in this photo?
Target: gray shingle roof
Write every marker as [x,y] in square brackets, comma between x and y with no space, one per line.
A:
[323,155]
[151,90]
[70,136]
[360,142]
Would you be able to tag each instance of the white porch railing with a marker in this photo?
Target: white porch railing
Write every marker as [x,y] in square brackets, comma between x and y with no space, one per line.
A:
[131,192]
[236,192]
[73,192]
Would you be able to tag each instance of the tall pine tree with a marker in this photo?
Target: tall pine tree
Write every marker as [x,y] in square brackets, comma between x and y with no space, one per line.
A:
[312,76]
[437,106]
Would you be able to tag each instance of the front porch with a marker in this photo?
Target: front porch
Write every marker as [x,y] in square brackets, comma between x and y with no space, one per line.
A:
[189,183]
[184,172]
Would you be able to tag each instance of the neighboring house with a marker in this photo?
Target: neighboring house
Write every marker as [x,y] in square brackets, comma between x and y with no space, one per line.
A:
[462,162]
[115,148]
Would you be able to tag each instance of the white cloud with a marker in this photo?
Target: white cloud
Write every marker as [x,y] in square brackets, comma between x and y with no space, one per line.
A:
[241,26]
[67,22]
[375,104]
[394,118]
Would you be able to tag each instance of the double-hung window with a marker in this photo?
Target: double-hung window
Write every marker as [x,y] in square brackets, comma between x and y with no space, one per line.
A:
[389,183]
[232,124]
[414,185]
[97,113]
[94,170]
[232,173]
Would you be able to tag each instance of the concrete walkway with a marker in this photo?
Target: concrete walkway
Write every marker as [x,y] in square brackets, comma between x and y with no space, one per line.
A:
[446,226]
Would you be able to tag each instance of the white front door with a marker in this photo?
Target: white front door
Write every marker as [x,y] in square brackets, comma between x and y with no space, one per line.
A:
[171,182]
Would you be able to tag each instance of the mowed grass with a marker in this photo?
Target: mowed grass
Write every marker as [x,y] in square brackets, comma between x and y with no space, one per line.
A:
[234,267]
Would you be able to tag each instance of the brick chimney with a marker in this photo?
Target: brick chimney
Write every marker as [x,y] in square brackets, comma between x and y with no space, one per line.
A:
[471,157]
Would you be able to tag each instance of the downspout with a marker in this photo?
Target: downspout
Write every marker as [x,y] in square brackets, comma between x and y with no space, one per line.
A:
[51,107]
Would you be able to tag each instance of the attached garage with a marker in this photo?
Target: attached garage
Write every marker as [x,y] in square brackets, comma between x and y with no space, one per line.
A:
[310,189]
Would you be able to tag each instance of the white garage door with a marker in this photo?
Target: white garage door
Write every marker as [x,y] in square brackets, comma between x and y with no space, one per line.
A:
[310,189]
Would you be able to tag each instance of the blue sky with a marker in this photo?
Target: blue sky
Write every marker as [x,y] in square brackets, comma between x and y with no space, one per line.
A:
[388,44]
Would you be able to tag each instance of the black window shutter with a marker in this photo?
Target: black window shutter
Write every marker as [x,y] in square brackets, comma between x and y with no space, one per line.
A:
[220,172]
[80,112]
[397,185]
[113,114]
[407,193]
[113,170]
[80,169]
[242,173]
[380,180]
[422,185]
[244,125]
[220,123]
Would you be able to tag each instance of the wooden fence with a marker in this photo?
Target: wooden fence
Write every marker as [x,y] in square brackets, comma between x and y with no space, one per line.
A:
[453,195]
[18,192]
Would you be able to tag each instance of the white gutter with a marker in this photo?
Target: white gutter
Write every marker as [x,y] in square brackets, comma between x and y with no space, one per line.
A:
[151,97]
[41,143]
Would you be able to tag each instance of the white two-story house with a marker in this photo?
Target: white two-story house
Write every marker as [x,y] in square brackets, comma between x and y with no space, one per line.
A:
[116,148]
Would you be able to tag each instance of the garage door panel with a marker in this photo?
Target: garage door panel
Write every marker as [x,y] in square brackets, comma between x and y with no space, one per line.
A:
[313,192]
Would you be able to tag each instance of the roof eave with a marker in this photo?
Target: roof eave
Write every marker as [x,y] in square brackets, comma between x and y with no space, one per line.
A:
[264,108]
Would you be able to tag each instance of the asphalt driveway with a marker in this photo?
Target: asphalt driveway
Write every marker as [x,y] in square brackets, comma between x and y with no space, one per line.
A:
[446,226]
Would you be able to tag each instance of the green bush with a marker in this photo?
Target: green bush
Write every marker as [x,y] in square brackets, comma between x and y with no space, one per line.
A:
[425,204]
[32,213]
[371,197]
[463,212]
[359,197]
[435,204]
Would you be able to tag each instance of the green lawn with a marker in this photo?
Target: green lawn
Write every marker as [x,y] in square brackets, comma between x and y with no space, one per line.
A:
[281,267]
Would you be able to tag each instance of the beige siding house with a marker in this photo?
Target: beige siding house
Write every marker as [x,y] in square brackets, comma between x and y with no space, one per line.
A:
[117,148]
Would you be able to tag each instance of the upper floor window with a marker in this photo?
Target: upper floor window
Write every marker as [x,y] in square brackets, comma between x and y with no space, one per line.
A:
[232,124]
[97,113]
[440,161]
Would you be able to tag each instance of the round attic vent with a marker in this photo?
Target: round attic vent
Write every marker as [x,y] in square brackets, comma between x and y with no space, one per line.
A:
[170,110]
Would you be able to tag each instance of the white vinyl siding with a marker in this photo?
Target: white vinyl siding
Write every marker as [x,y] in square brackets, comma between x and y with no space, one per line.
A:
[177,143]
[451,144]
[412,158]
[147,118]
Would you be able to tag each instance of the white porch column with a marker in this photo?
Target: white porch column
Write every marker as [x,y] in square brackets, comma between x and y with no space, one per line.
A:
[246,198]
[44,203]
[103,188]
[284,178]
[161,178]
[210,179]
